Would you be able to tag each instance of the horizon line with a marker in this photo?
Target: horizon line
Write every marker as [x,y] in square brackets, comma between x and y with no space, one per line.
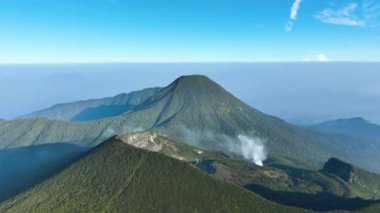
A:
[186,62]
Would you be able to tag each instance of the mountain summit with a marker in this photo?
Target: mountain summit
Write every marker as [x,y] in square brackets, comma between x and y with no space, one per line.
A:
[198,111]
[198,103]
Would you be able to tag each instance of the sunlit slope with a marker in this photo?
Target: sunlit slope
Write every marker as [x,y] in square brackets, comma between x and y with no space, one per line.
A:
[196,110]
[115,177]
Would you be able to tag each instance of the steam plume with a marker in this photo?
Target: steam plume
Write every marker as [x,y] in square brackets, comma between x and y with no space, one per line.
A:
[253,149]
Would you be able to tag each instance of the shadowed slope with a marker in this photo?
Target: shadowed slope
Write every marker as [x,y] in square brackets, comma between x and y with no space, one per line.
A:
[22,168]
[94,108]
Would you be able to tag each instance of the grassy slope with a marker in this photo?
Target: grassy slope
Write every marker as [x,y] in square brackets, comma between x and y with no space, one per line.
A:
[115,177]
[94,108]
[196,110]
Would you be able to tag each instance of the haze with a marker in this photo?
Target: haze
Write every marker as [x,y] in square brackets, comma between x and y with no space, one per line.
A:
[301,93]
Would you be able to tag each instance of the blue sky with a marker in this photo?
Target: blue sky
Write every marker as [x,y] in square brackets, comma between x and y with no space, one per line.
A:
[297,92]
[66,31]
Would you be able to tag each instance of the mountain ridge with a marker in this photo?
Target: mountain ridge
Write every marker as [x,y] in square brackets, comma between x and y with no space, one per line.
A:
[81,110]
[355,127]
[117,177]
[198,111]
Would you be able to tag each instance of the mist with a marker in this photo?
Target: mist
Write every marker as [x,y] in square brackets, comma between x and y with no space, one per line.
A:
[302,93]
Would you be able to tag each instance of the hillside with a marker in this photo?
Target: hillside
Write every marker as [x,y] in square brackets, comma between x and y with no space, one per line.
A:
[363,183]
[337,186]
[356,127]
[22,168]
[198,111]
[116,177]
[371,209]
[94,108]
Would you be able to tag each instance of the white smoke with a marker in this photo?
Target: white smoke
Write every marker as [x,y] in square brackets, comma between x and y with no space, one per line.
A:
[253,149]
[293,15]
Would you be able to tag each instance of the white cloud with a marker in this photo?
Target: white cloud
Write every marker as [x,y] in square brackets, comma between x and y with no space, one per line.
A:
[294,9]
[371,12]
[293,15]
[352,14]
[345,16]
[318,57]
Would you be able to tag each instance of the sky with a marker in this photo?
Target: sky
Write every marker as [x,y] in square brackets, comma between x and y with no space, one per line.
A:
[302,93]
[77,31]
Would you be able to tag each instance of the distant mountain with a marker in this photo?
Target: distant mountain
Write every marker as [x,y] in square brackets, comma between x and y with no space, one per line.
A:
[94,108]
[356,127]
[22,168]
[116,177]
[198,111]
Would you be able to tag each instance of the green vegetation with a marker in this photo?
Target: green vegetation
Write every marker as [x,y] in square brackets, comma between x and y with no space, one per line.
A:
[95,108]
[320,190]
[197,111]
[115,177]
[22,168]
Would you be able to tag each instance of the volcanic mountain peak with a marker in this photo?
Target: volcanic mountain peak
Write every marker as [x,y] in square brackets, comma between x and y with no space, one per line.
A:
[196,92]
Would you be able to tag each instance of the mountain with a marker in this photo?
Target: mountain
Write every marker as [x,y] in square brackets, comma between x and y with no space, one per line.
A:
[356,127]
[315,190]
[364,183]
[198,111]
[94,108]
[116,177]
[22,168]
[337,186]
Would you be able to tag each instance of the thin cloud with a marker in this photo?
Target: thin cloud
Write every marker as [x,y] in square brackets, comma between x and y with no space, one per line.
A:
[318,57]
[293,15]
[371,12]
[352,14]
[345,16]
